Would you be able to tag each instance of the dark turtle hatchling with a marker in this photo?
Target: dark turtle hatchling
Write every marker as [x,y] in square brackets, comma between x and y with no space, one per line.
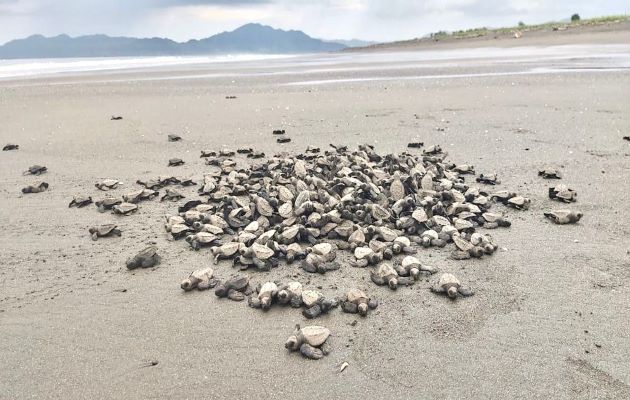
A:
[35,170]
[147,258]
[448,284]
[283,140]
[107,203]
[35,188]
[488,179]
[174,138]
[80,201]
[550,173]
[234,288]
[9,147]
[104,231]
[175,162]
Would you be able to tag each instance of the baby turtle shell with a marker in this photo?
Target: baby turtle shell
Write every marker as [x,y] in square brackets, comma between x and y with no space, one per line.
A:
[449,284]
[147,258]
[201,279]
[550,173]
[175,162]
[104,231]
[312,335]
[80,201]
[35,170]
[107,184]
[563,217]
[125,208]
[562,193]
[35,188]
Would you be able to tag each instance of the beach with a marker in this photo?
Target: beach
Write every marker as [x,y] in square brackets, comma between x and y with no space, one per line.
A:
[551,310]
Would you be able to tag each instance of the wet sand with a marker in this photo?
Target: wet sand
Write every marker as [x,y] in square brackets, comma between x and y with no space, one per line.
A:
[550,317]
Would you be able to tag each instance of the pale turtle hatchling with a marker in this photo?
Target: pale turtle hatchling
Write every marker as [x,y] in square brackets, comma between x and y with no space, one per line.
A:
[562,193]
[201,279]
[107,184]
[316,304]
[35,188]
[387,275]
[563,217]
[146,258]
[172,195]
[311,341]
[448,284]
[107,203]
[104,231]
[140,195]
[358,302]
[201,239]
[488,179]
[266,295]
[291,293]
[125,208]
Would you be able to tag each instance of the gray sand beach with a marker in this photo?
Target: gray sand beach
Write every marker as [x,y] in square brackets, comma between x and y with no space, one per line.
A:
[551,314]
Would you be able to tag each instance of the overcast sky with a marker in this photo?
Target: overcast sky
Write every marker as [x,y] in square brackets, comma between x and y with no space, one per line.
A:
[379,20]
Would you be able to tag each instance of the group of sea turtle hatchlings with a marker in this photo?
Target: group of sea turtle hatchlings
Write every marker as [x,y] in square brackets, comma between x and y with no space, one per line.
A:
[305,208]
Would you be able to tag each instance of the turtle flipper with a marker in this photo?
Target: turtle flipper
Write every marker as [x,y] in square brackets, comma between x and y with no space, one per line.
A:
[465,291]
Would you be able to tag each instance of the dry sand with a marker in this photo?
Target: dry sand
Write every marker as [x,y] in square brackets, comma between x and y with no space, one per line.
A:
[551,318]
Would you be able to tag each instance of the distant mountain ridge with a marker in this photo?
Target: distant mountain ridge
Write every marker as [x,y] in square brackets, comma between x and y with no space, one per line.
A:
[249,38]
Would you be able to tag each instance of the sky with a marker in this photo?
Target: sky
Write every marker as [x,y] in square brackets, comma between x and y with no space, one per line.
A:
[376,20]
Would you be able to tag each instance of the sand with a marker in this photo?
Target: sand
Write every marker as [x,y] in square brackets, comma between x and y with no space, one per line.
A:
[550,318]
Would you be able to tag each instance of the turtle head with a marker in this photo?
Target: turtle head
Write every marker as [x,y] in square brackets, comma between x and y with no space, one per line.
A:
[186,285]
[283,296]
[363,309]
[452,292]
[393,283]
[197,225]
[265,302]
[414,272]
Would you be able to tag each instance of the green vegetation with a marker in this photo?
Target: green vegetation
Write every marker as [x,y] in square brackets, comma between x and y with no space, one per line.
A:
[575,21]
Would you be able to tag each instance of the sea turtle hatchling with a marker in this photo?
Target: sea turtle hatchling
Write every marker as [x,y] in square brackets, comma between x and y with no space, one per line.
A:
[283,140]
[563,217]
[125,208]
[291,293]
[172,195]
[107,203]
[234,288]
[35,170]
[201,239]
[140,195]
[107,184]
[316,304]
[266,296]
[357,302]
[80,201]
[104,231]
[387,275]
[10,146]
[550,173]
[562,193]
[174,138]
[488,179]
[35,188]
[146,258]
[519,202]
[448,284]
[201,279]
[175,162]
[226,250]
[311,341]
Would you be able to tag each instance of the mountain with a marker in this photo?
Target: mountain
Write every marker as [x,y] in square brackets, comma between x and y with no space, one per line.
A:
[250,38]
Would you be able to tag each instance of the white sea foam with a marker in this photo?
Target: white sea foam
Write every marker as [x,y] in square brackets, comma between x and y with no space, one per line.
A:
[37,67]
